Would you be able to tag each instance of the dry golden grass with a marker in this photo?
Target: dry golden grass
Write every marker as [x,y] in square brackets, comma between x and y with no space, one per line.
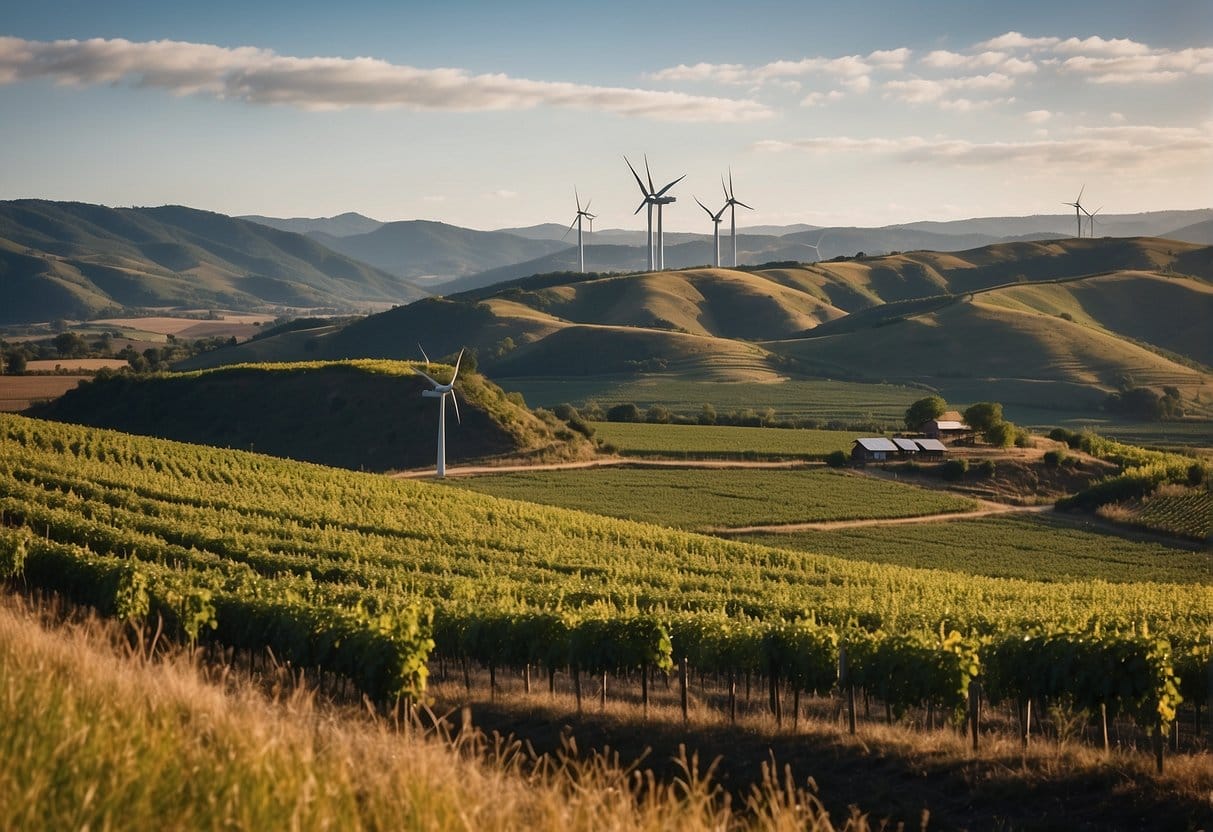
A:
[95,735]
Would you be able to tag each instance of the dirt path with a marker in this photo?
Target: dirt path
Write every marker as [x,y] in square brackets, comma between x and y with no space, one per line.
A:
[987,509]
[607,462]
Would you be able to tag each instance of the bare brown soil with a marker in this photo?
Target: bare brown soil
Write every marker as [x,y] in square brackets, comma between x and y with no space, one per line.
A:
[19,392]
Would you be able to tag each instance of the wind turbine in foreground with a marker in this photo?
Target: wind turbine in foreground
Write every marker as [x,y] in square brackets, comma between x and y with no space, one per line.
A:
[440,392]
[715,230]
[652,197]
[582,213]
[1078,209]
[731,202]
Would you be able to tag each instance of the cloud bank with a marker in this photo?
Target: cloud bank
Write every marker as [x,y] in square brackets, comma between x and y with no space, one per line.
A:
[261,76]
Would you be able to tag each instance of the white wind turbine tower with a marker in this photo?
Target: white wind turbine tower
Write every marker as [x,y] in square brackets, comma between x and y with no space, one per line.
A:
[440,392]
[582,213]
[1078,209]
[652,197]
[731,203]
[1091,220]
[716,218]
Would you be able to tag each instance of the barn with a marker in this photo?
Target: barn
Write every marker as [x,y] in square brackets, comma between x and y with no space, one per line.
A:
[931,448]
[876,449]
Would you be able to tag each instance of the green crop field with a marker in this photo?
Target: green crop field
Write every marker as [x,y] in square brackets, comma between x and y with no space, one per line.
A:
[720,441]
[823,400]
[1039,547]
[1186,512]
[714,498]
[371,578]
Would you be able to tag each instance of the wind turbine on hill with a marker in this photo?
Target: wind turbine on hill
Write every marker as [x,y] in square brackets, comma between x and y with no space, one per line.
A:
[716,218]
[652,197]
[1091,220]
[817,245]
[731,203]
[582,213]
[1078,209]
[440,392]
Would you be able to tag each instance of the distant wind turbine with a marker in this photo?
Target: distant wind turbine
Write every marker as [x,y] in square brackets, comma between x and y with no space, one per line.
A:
[582,213]
[817,245]
[1091,220]
[732,202]
[1077,204]
[652,197]
[716,218]
[440,392]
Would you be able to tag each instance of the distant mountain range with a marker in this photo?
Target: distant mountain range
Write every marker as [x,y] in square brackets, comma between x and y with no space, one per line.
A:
[74,260]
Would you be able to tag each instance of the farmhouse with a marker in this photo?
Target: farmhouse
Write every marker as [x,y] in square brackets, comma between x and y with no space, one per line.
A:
[876,449]
[942,428]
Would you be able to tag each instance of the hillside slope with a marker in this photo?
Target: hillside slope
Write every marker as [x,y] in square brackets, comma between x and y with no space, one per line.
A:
[359,415]
[72,260]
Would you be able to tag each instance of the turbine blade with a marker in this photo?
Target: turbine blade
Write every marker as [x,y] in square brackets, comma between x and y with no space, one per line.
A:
[423,355]
[639,181]
[427,378]
[730,181]
[724,188]
[587,205]
[648,172]
[1080,190]
[457,360]
[638,210]
[672,184]
[704,207]
[742,204]
[577,197]
[455,401]
[570,228]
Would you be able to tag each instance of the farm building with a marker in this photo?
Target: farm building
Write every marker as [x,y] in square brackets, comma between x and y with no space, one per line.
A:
[946,429]
[876,449]
[931,448]
[906,447]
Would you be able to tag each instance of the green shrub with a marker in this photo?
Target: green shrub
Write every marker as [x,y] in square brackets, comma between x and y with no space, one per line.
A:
[986,469]
[1054,459]
[837,459]
[627,412]
[954,469]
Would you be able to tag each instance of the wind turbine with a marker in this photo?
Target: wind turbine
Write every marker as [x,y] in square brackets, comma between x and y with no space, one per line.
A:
[652,197]
[440,392]
[715,230]
[731,203]
[816,246]
[1078,209]
[1091,219]
[582,213]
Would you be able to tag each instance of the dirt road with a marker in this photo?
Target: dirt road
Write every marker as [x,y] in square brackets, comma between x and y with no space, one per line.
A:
[986,510]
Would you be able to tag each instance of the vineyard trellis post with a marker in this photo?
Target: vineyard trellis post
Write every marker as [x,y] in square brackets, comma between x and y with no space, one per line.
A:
[975,711]
[682,681]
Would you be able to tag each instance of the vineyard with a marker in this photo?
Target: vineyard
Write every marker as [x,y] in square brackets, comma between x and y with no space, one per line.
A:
[1040,547]
[715,498]
[374,580]
[718,441]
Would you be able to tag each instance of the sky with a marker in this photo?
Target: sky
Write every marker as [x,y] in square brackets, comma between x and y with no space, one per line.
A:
[490,114]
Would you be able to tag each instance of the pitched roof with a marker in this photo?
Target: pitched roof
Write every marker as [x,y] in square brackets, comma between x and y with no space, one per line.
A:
[941,424]
[931,445]
[952,416]
[878,443]
[905,444]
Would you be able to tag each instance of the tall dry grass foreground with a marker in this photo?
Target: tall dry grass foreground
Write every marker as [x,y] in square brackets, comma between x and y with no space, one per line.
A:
[94,735]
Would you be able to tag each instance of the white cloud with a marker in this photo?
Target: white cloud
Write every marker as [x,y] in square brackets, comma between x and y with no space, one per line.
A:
[1038,116]
[1141,147]
[1096,45]
[845,67]
[860,84]
[815,99]
[260,76]
[502,193]
[1015,40]
[926,90]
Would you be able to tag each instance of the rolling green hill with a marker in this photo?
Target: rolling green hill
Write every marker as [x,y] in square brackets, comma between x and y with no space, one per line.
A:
[360,415]
[73,260]
[1041,324]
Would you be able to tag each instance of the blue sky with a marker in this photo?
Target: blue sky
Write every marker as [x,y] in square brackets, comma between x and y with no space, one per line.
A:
[487,114]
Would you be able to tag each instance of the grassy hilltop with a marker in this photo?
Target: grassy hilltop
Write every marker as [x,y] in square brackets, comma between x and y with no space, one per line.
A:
[362,415]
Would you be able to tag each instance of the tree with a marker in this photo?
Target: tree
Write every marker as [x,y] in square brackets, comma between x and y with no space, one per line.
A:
[708,415]
[1000,434]
[924,410]
[623,413]
[983,416]
[15,363]
[70,345]
[658,414]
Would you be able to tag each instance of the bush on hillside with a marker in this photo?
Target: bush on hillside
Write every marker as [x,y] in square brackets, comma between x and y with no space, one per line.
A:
[986,469]
[1001,434]
[954,469]
[837,459]
[1054,459]
[658,415]
[627,412]
[982,416]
